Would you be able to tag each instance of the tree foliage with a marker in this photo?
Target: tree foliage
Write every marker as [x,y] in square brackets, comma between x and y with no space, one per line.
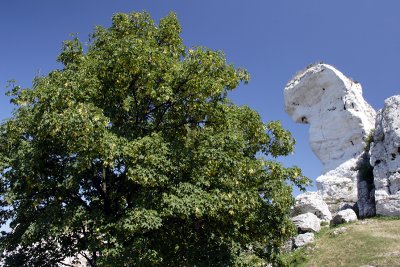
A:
[133,155]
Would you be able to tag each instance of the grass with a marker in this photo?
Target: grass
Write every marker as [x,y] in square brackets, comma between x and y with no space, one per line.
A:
[370,242]
[299,257]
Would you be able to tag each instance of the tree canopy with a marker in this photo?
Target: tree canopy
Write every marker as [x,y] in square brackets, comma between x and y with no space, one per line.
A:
[132,154]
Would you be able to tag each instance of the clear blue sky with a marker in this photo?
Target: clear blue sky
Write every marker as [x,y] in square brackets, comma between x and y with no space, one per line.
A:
[272,39]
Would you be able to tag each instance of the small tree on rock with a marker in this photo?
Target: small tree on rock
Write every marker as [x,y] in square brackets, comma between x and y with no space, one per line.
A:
[132,155]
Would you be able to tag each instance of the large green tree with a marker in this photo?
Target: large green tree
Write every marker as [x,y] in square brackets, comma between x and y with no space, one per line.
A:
[131,154]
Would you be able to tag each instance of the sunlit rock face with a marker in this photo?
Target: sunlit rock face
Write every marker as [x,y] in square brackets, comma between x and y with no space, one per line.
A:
[340,120]
[385,157]
[311,202]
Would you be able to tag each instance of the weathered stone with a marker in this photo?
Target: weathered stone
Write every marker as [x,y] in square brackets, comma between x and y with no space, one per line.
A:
[340,120]
[312,202]
[307,222]
[344,216]
[385,158]
[338,231]
[303,239]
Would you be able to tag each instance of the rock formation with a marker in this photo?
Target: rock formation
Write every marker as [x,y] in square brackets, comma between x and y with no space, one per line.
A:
[344,216]
[302,240]
[307,222]
[361,167]
[340,120]
[312,202]
[307,214]
[385,158]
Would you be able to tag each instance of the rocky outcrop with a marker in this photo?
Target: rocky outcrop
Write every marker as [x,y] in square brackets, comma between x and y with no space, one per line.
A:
[307,222]
[344,216]
[307,214]
[312,202]
[340,120]
[385,158]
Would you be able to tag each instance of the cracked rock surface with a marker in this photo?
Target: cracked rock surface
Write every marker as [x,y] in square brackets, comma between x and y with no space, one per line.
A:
[385,158]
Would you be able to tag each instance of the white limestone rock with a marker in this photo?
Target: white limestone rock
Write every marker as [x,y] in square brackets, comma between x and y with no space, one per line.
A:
[307,222]
[340,120]
[339,186]
[303,239]
[344,216]
[338,231]
[385,158]
[312,202]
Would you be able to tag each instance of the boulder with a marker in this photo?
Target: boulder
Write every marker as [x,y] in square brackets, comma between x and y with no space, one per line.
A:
[344,216]
[307,222]
[385,158]
[340,120]
[312,202]
[303,239]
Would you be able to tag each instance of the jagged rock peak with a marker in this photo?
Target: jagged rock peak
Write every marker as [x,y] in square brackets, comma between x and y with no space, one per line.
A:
[340,120]
[385,157]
